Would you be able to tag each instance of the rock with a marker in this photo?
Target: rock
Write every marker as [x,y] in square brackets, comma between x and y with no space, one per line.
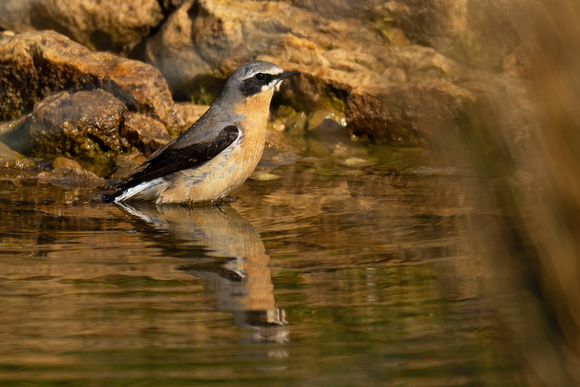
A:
[430,171]
[127,163]
[296,124]
[339,9]
[263,176]
[71,177]
[189,113]
[145,133]
[326,120]
[84,125]
[107,25]
[285,158]
[35,65]
[278,151]
[8,156]
[174,51]
[435,23]
[355,162]
[410,114]
[207,40]
[64,162]
[15,15]
[7,126]
[358,59]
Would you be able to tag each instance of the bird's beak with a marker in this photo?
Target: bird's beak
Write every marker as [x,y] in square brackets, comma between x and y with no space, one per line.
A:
[288,74]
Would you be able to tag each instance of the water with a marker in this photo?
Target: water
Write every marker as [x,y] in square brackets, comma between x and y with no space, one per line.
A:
[328,275]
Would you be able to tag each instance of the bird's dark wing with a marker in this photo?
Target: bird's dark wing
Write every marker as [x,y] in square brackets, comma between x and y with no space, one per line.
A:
[174,158]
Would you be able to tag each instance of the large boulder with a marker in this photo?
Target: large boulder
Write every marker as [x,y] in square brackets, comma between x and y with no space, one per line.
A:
[409,114]
[35,65]
[108,25]
[344,62]
[83,125]
[89,106]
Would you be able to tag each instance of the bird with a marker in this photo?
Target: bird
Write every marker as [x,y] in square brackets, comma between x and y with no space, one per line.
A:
[218,152]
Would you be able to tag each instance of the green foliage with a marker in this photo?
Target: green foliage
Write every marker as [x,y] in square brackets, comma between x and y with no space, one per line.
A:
[202,97]
[383,25]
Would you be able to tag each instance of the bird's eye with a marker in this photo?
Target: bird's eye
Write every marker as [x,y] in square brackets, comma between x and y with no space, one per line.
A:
[260,76]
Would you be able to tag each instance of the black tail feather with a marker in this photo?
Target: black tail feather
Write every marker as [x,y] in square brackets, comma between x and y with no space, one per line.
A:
[109,197]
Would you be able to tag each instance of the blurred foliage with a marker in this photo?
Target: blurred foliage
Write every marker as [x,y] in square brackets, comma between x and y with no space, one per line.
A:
[202,96]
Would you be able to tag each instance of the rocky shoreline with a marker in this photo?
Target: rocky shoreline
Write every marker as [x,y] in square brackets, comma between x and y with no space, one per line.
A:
[102,90]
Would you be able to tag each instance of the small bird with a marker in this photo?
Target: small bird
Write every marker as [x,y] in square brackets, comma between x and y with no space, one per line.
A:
[218,152]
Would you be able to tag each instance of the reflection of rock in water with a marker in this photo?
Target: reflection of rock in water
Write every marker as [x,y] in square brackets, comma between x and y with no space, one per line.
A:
[236,266]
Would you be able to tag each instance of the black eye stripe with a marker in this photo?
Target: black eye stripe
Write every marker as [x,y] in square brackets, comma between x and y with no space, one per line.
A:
[264,78]
[253,85]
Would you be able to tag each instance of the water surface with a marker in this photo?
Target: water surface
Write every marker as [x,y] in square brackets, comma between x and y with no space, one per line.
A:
[338,272]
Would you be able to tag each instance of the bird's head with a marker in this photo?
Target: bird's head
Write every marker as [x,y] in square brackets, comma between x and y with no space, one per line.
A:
[256,80]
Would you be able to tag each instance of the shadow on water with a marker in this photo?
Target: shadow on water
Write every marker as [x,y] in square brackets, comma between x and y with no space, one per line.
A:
[235,267]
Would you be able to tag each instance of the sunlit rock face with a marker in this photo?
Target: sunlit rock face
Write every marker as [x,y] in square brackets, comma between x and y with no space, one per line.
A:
[107,25]
[83,124]
[400,71]
[403,72]
[341,58]
[89,106]
[35,65]
[397,72]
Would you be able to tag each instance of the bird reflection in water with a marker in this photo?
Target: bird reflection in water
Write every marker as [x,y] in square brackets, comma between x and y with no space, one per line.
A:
[235,264]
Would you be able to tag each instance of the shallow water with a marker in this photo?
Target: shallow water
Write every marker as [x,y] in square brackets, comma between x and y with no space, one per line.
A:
[327,275]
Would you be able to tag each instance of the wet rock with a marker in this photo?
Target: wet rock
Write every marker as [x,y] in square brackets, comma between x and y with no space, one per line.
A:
[12,159]
[296,124]
[349,149]
[328,126]
[278,142]
[278,125]
[64,162]
[278,151]
[410,114]
[107,25]
[71,177]
[145,133]
[35,65]
[84,125]
[259,176]
[7,126]
[287,119]
[355,162]
[127,163]
[326,119]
